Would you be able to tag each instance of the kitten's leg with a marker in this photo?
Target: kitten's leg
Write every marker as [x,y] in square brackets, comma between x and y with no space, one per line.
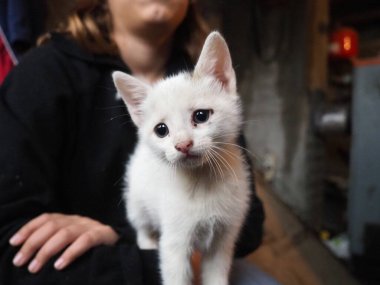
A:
[139,218]
[175,254]
[145,239]
[216,262]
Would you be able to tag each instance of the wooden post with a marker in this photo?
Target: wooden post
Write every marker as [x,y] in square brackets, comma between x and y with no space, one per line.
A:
[318,45]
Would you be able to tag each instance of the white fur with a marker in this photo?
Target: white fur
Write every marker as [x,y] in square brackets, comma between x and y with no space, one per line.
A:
[194,204]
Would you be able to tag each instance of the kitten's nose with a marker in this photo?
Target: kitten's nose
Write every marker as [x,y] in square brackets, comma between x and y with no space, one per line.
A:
[184,147]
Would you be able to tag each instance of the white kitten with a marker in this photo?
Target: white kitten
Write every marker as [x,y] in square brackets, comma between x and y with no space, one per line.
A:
[187,180]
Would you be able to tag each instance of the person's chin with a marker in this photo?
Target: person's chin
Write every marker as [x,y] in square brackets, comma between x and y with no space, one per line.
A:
[158,14]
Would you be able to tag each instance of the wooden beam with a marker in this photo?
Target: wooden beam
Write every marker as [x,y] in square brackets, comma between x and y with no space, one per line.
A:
[318,45]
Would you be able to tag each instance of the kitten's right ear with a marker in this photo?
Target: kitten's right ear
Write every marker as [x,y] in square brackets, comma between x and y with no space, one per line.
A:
[133,92]
[215,60]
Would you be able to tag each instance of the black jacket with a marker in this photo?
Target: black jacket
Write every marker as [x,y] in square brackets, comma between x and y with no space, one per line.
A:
[64,142]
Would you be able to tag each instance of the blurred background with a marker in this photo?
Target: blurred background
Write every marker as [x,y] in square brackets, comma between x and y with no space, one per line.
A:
[309,75]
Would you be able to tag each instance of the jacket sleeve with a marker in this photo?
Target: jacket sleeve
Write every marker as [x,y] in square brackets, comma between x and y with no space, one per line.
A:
[35,102]
[252,231]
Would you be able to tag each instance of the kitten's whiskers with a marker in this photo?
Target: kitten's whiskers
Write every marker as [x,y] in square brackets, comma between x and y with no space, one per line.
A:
[217,164]
[118,116]
[227,152]
[238,146]
[210,163]
[225,163]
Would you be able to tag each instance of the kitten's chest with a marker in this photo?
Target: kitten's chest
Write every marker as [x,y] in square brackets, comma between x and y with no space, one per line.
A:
[205,206]
[211,216]
[207,232]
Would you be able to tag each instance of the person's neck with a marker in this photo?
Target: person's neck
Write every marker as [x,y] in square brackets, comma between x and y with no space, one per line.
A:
[145,56]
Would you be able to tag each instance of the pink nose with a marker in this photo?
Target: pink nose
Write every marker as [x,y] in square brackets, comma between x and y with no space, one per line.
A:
[184,147]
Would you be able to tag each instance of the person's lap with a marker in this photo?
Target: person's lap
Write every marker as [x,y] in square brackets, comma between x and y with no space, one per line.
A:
[245,273]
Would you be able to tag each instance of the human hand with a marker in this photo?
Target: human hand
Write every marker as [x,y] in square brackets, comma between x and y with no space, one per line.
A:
[48,234]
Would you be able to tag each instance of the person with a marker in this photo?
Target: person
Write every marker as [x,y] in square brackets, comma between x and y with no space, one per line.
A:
[65,139]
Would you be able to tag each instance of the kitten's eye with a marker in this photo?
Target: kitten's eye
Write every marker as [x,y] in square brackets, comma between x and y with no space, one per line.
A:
[161,130]
[201,116]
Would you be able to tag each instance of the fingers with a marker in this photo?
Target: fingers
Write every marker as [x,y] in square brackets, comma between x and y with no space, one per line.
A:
[22,234]
[49,234]
[100,235]
[54,245]
[34,243]
[76,249]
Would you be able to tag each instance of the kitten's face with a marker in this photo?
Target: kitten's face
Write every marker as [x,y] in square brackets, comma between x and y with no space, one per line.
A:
[190,118]
[187,121]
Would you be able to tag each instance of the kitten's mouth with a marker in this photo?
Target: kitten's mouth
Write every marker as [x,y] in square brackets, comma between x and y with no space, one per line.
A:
[191,159]
[192,156]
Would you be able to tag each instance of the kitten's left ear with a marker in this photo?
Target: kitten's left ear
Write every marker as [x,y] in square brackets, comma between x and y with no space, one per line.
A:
[215,60]
[133,92]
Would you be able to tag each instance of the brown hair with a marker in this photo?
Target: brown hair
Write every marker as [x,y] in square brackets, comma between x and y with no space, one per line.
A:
[90,24]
